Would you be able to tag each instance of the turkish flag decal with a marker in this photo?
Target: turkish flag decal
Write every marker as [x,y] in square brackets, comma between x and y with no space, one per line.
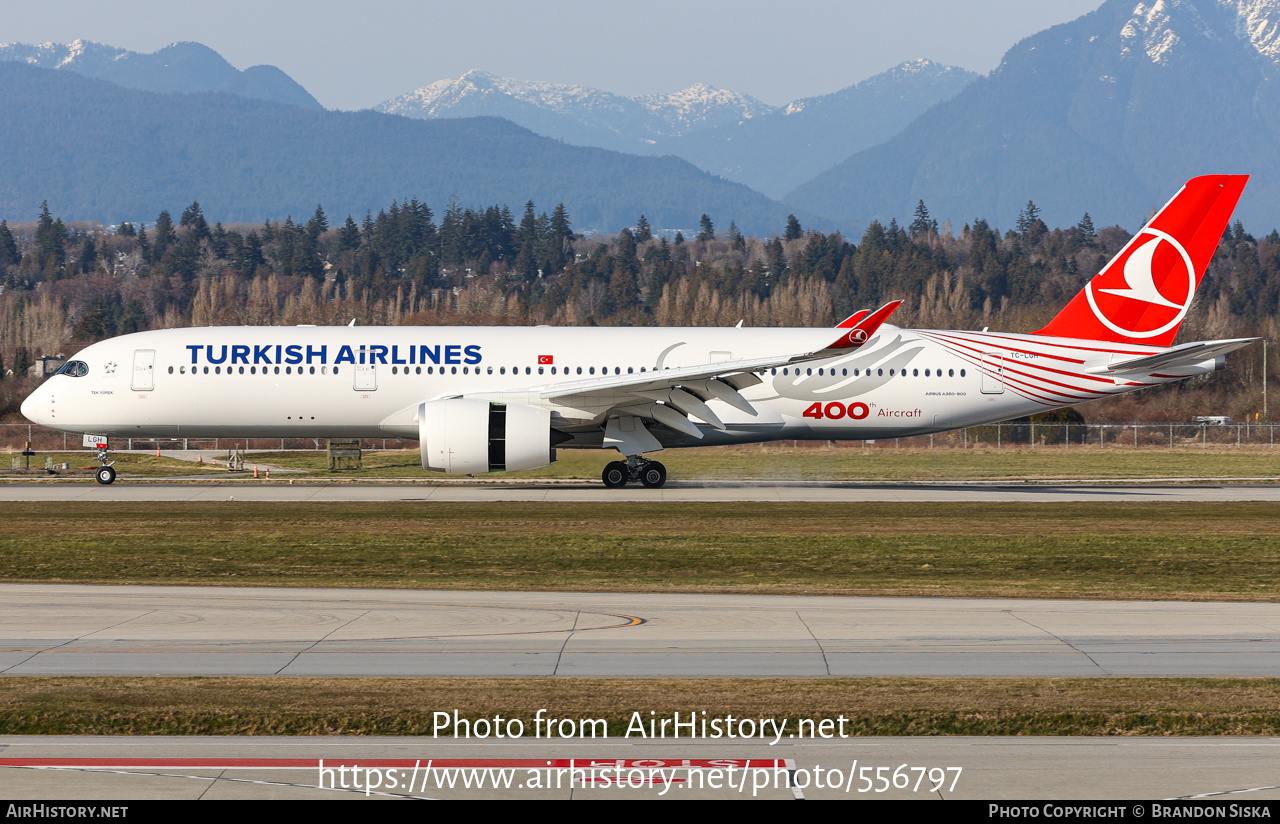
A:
[544,359]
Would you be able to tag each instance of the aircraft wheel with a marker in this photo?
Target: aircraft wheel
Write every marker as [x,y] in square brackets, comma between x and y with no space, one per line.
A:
[653,475]
[106,475]
[615,475]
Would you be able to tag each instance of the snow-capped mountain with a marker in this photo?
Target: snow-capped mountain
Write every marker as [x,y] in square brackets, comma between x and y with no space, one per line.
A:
[180,67]
[772,149]
[778,151]
[1108,113]
[577,114]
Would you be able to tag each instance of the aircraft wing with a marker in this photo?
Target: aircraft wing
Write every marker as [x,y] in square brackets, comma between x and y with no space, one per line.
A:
[668,396]
[1187,354]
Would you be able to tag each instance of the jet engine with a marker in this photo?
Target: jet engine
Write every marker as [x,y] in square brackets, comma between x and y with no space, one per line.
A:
[467,436]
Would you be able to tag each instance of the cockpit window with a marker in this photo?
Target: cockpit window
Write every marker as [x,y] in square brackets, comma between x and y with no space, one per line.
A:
[74,369]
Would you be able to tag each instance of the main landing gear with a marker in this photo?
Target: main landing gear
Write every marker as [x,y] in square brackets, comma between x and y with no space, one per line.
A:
[617,474]
[106,473]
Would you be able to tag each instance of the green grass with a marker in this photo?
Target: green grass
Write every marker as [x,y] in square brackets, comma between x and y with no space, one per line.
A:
[871,706]
[1122,550]
[852,464]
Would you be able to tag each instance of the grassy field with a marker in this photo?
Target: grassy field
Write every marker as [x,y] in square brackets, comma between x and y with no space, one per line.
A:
[773,462]
[872,706]
[1122,550]
[852,464]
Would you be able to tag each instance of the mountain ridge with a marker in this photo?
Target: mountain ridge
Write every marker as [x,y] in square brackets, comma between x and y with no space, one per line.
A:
[1107,114]
[183,67]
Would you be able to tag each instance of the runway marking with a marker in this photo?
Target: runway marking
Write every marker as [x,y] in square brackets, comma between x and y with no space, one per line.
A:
[1223,792]
[382,763]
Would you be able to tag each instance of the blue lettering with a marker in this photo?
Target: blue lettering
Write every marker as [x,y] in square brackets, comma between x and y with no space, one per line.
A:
[395,356]
[293,354]
[362,354]
[239,354]
[262,354]
[345,355]
[473,353]
[453,354]
[432,352]
[378,354]
[278,355]
[195,352]
[319,353]
[220,359]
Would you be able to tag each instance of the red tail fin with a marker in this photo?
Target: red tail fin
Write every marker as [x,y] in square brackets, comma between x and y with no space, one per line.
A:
[1143,294]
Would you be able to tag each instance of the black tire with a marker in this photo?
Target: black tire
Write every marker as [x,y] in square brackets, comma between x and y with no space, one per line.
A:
[615,475]
[105,475]
[653,475]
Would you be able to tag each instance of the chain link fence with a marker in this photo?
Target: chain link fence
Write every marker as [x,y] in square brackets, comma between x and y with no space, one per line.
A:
[1011,435]
[15,436]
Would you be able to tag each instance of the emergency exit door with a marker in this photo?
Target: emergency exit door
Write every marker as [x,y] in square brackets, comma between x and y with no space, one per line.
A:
[144,370]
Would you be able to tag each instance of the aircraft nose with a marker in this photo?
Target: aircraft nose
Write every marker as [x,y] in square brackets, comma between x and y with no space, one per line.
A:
[31,404]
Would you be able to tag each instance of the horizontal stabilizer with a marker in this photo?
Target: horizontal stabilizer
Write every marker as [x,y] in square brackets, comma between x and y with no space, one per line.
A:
[1188,354]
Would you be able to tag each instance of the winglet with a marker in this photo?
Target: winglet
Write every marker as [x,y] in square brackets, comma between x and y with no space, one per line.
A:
[852,320]
[865,328]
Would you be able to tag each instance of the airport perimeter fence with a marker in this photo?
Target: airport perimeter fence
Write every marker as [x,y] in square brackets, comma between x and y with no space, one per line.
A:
[1010,435]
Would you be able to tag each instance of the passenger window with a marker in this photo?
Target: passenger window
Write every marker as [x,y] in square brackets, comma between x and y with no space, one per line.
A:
[170,370]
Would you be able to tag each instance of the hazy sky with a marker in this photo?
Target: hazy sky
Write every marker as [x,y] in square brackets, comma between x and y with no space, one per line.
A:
[351,56]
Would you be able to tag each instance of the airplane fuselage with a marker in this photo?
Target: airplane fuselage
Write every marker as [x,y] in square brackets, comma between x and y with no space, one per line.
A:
[366,382]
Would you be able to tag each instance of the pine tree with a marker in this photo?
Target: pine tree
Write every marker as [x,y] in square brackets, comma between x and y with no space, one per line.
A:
[1028,217]
[922,224]
[736,240]
[8,247]
[318,223]
[793,230]
[164,235]
[643,232]
[706,229]
[193,219]
[21,362]
[1085,232]
[348,236]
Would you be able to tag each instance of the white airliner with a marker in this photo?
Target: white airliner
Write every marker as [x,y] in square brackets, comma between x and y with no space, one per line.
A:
[504,399]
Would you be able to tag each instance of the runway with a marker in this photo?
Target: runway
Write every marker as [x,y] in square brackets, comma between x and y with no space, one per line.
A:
[208,631]
[1238,771]
[591,492]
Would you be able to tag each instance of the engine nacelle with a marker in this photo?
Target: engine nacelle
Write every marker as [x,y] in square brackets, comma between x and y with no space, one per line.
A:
[466,436]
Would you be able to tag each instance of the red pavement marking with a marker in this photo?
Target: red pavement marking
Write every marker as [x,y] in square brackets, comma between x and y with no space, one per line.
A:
[391,763]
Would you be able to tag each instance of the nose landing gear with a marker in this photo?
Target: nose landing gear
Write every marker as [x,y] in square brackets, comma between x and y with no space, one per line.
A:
[651,474]
[105,474]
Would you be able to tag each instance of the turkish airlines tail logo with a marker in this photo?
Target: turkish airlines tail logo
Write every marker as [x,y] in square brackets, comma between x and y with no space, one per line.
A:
[1143,294]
